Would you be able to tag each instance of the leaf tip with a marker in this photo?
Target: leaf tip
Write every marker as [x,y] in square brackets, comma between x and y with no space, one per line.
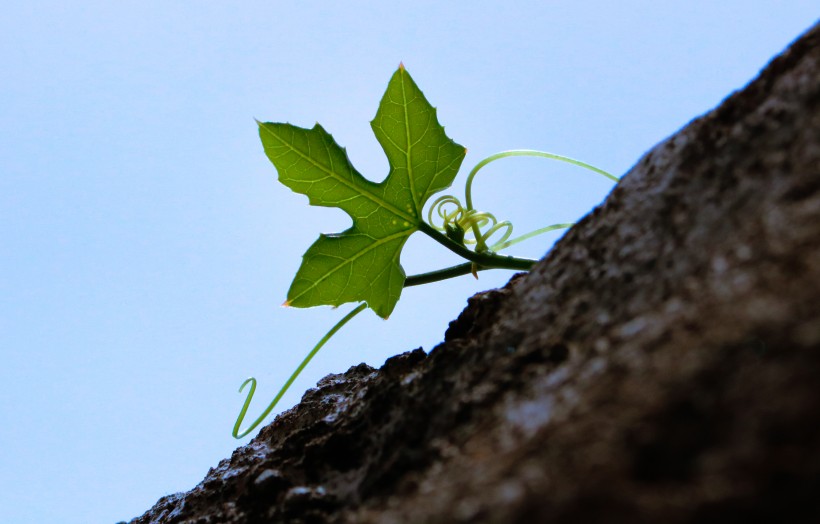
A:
[286,303]
[401,66]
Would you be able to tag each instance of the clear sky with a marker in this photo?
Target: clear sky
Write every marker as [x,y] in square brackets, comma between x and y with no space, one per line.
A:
[146,246]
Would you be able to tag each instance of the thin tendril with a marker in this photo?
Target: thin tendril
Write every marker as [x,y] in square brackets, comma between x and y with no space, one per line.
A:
[506,224]
[504,245]
[527,152]
[287,385]
[472,222]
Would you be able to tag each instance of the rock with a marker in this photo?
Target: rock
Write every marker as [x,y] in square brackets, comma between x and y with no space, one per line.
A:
[660,364]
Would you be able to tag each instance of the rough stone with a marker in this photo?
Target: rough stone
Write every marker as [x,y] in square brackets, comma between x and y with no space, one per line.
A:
[660,364]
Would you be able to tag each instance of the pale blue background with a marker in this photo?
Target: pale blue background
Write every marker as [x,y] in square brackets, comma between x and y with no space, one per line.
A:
[145,244]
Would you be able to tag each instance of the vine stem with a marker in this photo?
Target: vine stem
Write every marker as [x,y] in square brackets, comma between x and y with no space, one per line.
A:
[307,359]
[484,260]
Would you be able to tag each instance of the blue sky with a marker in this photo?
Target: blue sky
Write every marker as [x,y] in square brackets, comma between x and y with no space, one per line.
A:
[146,246]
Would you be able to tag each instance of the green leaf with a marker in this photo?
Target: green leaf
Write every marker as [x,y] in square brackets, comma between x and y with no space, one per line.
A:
[362,263]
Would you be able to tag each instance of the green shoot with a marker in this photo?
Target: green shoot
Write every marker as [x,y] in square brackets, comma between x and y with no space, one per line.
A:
[361,264]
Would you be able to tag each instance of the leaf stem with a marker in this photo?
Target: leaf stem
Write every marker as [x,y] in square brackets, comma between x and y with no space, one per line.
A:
[442,274]
[293,376]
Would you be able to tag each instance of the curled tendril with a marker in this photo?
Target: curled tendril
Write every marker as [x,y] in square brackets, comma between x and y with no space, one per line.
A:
[468,222]
[466,225]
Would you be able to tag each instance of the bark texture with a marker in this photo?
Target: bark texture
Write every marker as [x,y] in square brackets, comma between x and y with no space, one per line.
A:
[660,364]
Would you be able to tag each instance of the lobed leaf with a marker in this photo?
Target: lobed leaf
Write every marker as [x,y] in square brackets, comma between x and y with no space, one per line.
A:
[363,262]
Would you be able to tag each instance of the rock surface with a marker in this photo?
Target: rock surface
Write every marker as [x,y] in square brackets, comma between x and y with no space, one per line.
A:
[661,364]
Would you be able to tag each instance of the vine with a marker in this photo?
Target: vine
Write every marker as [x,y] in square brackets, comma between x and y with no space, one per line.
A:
[384,215]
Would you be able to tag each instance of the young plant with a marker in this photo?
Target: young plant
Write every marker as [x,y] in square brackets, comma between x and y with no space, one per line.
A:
[361,264]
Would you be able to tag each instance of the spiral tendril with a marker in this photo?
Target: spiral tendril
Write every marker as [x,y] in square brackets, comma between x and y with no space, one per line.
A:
[469,221]
[455,216]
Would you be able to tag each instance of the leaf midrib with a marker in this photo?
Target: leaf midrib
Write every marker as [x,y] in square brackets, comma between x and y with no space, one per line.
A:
[357,188]
[409,145]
